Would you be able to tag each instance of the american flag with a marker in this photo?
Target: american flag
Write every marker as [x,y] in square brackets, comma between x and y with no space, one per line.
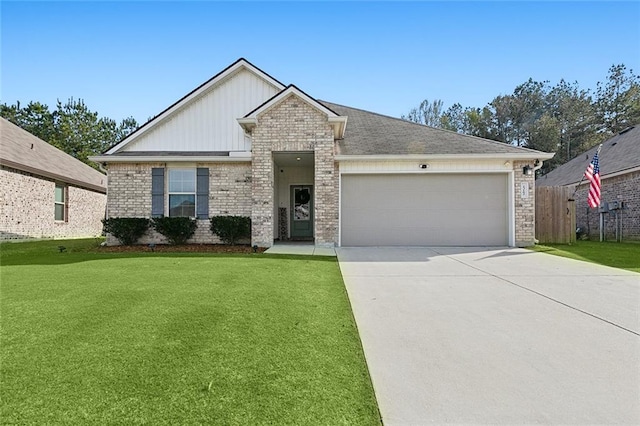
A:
[593,175]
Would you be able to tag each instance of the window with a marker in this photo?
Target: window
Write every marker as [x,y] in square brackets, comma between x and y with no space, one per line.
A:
[187,189]
[61,202]
[182,192]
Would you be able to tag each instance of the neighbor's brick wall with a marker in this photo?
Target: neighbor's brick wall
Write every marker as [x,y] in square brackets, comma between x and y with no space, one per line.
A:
[619,188]
[129,195]
[293,125]
[27,208]
[525,208]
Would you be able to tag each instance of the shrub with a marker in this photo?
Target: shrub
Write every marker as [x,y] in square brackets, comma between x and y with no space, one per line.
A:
[127,230]
[177,230]
[231,228]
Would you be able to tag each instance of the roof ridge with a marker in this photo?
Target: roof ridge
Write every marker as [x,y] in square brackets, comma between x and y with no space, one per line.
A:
[485,140]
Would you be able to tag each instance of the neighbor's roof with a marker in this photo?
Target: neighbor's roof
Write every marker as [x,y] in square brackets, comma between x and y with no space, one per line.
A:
[618,155]
[23,151]
[369,133]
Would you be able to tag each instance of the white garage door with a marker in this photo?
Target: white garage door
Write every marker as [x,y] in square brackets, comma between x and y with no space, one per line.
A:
[424,210]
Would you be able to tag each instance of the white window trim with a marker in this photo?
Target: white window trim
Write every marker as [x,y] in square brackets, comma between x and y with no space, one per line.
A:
[169,193]
[65,206]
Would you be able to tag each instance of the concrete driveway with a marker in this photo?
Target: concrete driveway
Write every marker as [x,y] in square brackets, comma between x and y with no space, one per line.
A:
[496,336]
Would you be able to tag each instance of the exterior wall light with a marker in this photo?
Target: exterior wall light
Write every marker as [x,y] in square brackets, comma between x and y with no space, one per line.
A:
[527,170]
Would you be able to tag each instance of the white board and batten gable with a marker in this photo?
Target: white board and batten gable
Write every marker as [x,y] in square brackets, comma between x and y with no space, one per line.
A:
[206,119]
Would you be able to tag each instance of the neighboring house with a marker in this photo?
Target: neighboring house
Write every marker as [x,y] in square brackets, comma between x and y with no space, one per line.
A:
[245,144]
[620,176]
[45,193]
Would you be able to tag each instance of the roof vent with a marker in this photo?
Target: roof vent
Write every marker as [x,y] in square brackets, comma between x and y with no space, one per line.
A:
[626,130]
[614,143]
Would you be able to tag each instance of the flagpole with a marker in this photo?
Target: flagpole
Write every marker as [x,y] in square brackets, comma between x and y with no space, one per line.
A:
[582,178]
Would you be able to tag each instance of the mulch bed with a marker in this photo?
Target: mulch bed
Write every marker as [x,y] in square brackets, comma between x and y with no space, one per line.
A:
[188,248]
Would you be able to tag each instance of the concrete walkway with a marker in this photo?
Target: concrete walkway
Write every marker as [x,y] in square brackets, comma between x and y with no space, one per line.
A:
[496,336]
[308,249]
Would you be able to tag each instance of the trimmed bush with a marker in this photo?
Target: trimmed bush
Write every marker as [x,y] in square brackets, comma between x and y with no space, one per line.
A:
[127,230]
[231,228]
[177,230]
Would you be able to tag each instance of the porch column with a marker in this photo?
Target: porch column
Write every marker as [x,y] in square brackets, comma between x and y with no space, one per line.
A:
[262,196]
[326,194]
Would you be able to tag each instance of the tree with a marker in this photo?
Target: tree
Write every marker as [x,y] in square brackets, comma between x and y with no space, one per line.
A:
[618,100]
[563,118]
[126,127]
[500,111]
[427,113]
[71,127]
[574,111]
[35,118]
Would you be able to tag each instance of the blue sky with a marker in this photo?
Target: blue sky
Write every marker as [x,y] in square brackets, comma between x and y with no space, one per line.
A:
[137,58]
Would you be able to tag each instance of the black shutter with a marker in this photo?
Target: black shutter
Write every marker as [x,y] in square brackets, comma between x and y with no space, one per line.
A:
[202,192]
[157,192]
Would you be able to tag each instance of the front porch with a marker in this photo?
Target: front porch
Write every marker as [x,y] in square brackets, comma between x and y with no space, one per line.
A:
[293,198]
[293,131]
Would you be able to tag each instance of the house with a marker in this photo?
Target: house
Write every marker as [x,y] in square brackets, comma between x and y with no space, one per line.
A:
[245,144]
[620,182]
[44,192]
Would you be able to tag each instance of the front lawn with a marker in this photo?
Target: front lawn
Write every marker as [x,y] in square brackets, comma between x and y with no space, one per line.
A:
[618,255]
[183,338]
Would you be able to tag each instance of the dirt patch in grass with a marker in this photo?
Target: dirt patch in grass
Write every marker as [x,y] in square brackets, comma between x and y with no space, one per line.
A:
[187,248]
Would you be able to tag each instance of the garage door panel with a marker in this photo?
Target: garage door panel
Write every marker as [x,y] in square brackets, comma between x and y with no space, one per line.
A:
[451,209]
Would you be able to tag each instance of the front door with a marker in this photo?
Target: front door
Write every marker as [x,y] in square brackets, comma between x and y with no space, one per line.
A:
[301,212]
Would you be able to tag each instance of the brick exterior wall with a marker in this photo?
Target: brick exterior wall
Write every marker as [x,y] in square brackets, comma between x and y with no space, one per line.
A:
[247,189]
[129,195]
[619,188]
[293,125]
[525,208]
[27,208]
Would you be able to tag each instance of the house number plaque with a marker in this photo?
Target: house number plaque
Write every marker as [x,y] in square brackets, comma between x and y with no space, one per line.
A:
[524,190]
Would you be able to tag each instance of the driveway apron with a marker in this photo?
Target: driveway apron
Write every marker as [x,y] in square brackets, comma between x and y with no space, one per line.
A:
[496,336]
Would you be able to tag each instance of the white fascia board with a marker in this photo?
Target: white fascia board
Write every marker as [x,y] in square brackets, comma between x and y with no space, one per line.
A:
[248,124]
[220,77]
[172,158]
[339,124]
[261,74]
[240,154]
[293,90]
[503,156]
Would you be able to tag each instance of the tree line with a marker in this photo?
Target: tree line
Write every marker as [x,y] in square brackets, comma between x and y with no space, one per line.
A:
[561,118]
[71,126]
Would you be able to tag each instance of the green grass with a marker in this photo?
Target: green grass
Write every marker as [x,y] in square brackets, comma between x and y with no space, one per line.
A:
[618,255]
[160,338]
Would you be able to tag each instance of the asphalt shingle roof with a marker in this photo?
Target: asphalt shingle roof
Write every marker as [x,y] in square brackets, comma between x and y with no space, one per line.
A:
[22,150]
[369,133]
[619,153]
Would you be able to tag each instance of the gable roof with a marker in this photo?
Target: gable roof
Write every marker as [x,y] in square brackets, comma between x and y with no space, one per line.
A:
[194,94]
[23,151]
[619,154]
[338,122]
[369,133]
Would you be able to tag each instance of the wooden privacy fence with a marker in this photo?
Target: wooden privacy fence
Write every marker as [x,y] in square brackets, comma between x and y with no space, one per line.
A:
[555,215]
